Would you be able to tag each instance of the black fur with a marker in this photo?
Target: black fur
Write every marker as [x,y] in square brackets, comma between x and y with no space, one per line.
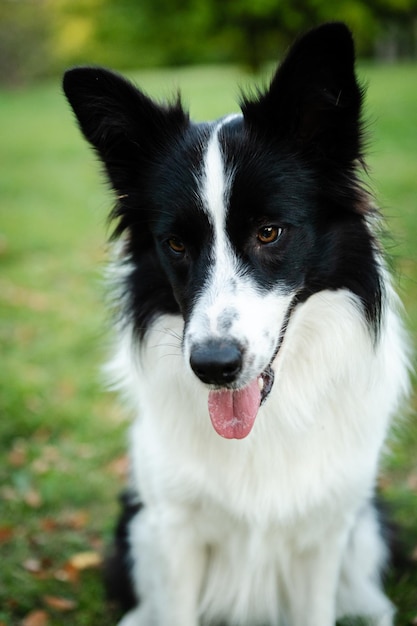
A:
[117,566]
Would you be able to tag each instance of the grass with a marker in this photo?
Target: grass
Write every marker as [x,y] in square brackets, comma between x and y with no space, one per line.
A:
[62,438]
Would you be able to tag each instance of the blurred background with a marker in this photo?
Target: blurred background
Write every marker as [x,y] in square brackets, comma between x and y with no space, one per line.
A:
[62,437]
[40,37]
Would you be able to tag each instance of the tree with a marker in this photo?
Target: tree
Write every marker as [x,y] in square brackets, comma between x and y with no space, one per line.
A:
[172,32]
[39,37]
[24,41]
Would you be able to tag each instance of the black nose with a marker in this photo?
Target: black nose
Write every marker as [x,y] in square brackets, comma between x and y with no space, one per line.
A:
[216,362]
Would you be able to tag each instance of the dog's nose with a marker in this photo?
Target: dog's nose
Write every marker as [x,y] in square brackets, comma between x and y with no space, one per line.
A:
[216,362]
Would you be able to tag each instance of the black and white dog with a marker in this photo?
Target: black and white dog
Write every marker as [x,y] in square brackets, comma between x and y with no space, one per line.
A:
[259,341]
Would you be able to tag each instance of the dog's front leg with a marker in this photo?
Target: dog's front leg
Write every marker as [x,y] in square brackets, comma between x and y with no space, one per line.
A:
[313,581]
[168,569]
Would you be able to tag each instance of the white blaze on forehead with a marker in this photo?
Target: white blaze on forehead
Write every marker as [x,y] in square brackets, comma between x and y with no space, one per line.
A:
[229,291]
[216,180]
[230,304]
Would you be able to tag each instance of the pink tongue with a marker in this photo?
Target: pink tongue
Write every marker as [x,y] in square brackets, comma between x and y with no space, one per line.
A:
[233,413]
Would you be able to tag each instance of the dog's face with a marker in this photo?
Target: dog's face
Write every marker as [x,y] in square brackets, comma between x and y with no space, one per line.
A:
[222,238]
[235,242]
[234,223]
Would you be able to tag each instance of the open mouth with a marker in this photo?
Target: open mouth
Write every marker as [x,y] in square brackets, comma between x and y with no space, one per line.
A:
[233,411]
[265,381]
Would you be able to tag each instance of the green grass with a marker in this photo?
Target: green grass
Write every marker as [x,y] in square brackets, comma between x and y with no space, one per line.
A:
[61,435]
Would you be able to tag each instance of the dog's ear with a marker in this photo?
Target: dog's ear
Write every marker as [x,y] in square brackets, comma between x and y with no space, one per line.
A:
[314,100]
[124,126]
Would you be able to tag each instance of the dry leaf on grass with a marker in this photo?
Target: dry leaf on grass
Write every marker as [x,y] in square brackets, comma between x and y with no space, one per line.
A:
[67,574]
[34,566]
[49,524]
[39,568]
[85,560]
[17,456]
[71,570]
[59,603]
[33,498]
[6,534]
[120,466]
[75,520]
[36,618]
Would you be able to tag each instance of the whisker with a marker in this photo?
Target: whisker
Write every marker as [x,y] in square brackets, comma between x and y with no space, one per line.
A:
[165,345]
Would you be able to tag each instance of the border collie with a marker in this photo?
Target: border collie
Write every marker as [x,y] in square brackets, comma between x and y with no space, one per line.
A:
[259,341]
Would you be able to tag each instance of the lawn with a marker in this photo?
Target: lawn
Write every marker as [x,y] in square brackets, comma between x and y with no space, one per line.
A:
[62,437]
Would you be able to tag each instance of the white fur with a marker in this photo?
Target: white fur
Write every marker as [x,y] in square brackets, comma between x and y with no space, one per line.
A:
[276,528]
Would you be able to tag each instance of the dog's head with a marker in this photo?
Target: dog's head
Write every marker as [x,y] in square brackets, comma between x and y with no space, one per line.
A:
[234,223]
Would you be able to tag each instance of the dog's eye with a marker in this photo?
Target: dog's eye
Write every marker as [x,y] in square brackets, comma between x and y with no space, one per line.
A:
[269,234]
[176,245]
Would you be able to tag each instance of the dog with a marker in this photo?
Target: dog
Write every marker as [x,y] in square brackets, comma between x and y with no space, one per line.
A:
[259,338]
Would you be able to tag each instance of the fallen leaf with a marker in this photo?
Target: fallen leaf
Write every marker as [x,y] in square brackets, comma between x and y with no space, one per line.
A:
[49,524]
[18,454]
[85,560]
[36,618]
[59,603]
[39,568]
[33,566]
[75,520]
[120,466]
[6,534]
[67,574]
[33,498]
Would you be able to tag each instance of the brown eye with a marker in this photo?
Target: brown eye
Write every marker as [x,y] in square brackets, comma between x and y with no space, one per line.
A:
[269,234]
[176,245]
